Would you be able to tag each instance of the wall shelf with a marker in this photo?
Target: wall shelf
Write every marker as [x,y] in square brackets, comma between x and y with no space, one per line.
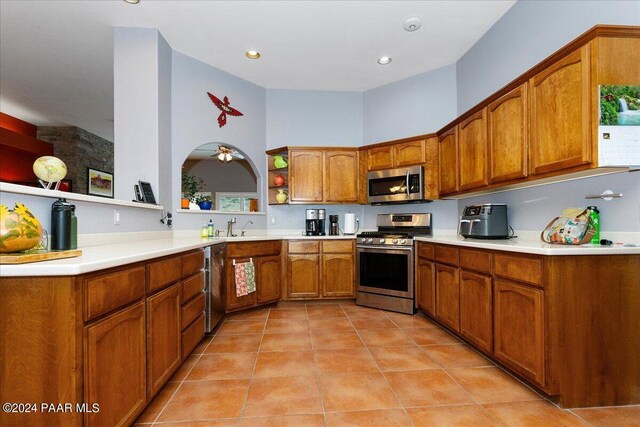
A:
[201,212]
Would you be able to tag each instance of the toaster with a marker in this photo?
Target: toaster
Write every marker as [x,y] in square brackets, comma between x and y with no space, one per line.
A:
[487,221]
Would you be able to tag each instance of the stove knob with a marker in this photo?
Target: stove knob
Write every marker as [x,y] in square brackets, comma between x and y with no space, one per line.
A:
[395,241]
[361,240]
[381,241]
[403,241]
[369,240]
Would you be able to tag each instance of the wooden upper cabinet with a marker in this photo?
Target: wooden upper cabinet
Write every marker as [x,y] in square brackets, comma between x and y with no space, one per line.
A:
[560,121]
[340,176]
[306,172]
[380,158]
[409,153]
[507,136]
[448,161]
[472,146]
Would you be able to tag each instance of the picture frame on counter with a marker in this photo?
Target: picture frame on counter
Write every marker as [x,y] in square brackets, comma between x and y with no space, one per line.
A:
[99,183]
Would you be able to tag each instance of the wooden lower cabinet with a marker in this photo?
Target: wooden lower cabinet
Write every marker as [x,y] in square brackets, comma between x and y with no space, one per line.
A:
[448,296]
[269,276]
[337,275]
[426,285]
[519,329]
[232,300]
[303,276]
[115,361]
[476,309]
[163,336]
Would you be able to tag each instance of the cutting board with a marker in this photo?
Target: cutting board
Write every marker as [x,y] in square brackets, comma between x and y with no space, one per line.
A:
[37,255]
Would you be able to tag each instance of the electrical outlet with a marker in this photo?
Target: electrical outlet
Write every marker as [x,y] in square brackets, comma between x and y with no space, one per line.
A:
[116,217]
[273,220]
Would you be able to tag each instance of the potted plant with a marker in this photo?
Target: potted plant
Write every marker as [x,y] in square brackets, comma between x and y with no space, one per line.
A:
[204,202]
[191,184]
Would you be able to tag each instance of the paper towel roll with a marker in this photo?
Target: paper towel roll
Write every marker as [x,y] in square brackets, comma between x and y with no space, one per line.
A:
[349,223]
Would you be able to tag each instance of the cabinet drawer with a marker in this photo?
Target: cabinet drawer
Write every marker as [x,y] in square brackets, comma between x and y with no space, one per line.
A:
[525,269]
[304,247]
[251,249]
[192,263]
[164,272]
[426,250]
[447,254]
[191,310]
[337,246]
[475,260]
[192,286]
[108,292]
[192,336]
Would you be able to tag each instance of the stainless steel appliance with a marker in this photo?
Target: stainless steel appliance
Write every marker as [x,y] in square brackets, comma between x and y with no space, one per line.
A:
[311,222]
[402,185]
[385,261]
[334,227]
[214,270]
[487,221]
[322,221]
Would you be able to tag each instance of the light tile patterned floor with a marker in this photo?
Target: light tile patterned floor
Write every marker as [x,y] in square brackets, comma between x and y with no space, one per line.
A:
[344,365]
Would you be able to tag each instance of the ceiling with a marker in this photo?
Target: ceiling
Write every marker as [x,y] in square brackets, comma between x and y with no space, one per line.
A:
[56,57]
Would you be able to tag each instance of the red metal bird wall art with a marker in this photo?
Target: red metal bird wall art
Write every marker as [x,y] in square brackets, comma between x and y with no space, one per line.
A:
[224,108]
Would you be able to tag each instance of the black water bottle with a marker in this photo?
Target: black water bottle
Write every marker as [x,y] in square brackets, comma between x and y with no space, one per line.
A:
[61,212]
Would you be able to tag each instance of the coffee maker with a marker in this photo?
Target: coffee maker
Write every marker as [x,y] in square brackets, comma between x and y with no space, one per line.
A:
[311,222]
[322,220]
[334,228]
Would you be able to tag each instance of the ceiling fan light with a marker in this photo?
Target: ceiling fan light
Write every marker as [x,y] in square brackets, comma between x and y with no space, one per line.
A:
[221,157]
[227,157]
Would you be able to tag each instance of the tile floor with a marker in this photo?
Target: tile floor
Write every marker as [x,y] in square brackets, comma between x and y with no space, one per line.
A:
[345,365]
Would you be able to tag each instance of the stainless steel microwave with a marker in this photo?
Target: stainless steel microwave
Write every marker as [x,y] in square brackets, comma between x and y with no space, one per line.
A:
[402,185]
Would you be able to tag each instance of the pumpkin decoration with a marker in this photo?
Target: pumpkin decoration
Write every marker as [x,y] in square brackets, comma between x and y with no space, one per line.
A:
[19,229]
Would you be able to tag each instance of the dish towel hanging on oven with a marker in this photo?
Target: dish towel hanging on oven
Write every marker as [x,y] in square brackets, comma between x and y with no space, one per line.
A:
[245,273]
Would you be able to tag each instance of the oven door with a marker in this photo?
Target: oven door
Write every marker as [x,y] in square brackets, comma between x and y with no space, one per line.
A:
[385,271]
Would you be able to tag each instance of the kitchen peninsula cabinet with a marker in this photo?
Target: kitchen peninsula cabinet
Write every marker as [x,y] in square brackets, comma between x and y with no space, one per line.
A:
[530,313]
[110,337]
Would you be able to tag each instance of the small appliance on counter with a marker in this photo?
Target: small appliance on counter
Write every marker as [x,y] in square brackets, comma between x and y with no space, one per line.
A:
[334,227]
[322,220]
[350,223]
[486,221]
[311,222]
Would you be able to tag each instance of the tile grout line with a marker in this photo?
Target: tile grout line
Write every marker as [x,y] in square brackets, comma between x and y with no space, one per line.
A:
[255,363]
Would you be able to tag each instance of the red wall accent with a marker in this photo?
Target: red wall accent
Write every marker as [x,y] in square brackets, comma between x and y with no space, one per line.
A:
[19,148]
[17,125]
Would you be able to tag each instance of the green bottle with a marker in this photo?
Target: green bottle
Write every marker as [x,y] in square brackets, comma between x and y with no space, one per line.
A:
[594,213]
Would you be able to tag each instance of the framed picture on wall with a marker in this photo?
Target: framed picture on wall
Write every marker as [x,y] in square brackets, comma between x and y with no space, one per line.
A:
[99,183]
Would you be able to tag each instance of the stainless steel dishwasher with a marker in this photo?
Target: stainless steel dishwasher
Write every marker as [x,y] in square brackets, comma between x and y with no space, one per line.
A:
[214,270]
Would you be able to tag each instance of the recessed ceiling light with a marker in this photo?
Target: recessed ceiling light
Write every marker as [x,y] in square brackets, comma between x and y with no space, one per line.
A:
[132,1]
[384,60]
[252,54]
[413,23]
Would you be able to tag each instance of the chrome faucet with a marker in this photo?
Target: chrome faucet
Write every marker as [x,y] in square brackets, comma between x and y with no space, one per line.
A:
[230,227]
[242,233]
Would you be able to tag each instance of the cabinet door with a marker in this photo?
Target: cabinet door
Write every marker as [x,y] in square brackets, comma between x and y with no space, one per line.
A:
[268,279]
[302,276]
[560,114]
[472,143]
[448,296]
[448,161]
[163,337]
[232,300]
[115,361]
[380,158]
[426,286]
[519,328]
[306,173]
[338,275]
[341,176]
[476,310]
[507,133]
[409,153]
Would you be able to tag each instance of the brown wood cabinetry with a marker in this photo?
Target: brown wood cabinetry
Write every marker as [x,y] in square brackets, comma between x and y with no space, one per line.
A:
[448,296]
[340,176]
[320,269]
[519,329]
[268,273]
[426,285]
[409,153]
[560,105]
[448,165]
[379,158]
[116,341]
[306,175]
[507,135]
[472,148]
[476,309]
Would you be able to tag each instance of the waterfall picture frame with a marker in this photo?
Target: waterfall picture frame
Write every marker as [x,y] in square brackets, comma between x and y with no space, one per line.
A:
[99,183]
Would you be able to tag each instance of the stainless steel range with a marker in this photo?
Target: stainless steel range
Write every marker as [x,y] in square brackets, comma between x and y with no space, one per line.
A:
[385,261]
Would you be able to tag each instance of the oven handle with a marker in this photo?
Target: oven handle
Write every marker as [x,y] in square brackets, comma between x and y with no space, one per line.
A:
[385,249]
[406,183]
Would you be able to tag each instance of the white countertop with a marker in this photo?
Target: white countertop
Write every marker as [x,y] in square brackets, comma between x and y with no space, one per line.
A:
[532,246]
